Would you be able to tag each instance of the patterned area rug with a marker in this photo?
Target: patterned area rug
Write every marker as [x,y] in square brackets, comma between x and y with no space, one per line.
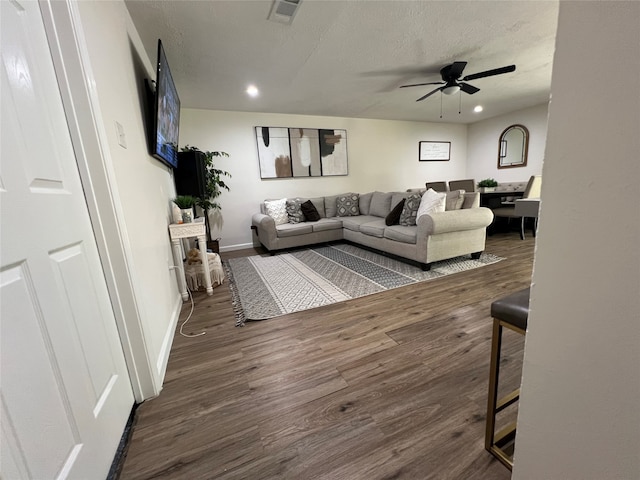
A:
[265,286]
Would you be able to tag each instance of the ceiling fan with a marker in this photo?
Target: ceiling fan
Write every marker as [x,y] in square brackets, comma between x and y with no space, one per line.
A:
[452,83]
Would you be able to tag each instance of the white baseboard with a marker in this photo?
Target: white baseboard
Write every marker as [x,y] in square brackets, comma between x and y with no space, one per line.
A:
[239,246]
[167,342]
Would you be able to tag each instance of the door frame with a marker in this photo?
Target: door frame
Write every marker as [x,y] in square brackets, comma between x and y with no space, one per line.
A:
[80,100]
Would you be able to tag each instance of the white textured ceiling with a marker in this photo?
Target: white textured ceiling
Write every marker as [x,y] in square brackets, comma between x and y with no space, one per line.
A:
[347,58]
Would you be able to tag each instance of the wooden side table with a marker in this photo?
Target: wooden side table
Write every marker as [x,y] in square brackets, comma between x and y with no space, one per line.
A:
[178,231]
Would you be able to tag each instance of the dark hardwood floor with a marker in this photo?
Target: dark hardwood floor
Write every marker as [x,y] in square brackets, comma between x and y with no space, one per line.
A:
[389,386]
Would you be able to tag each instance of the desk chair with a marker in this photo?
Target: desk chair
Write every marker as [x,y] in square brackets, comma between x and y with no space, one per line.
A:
[437,186]
[527,208]
[509,211]
[466,185]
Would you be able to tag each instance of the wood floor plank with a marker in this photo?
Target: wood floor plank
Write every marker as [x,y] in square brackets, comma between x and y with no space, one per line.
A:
[389,386]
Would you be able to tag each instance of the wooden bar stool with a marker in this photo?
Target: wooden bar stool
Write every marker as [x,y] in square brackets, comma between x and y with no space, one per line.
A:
[511,312]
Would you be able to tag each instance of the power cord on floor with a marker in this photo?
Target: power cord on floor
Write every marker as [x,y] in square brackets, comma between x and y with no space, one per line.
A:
[188,335]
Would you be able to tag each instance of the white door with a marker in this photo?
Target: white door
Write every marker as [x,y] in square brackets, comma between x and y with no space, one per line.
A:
[65,394]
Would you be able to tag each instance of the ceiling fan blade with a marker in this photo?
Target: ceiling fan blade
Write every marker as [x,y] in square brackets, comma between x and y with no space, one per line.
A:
[429,94]
[490,73]
[421,84]
[470,89]
[456,69]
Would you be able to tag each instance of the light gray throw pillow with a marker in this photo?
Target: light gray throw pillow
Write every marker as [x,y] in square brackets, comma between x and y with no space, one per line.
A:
[294,210]
[454,200]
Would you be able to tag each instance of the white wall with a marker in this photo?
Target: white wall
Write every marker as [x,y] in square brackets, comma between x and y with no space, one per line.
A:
[483,137]
[144,186]
[383,155]
[579,415]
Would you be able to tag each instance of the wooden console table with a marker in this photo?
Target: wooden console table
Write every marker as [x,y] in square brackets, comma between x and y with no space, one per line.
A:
[494,199]
[178,231]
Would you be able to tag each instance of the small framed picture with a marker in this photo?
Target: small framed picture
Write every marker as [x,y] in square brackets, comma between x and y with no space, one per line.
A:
[434,151]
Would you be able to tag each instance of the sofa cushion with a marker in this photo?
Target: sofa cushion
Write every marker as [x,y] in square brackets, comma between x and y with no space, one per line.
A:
[396,197]
[277,209]
[471,200]
[353,223]
[347,205]
[318,202]
[375,228]
[310,211]
[293,229]
[454,200]
[327,224]
[410,210]
[330,205]
[402,234]
[365,203]
[432,201]
[294,211]
[394,215]
[380,204]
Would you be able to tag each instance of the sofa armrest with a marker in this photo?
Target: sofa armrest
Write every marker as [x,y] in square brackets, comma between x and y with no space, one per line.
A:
[266,228]
[454,221]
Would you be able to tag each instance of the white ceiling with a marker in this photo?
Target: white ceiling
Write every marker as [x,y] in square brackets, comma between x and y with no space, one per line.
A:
[347,58]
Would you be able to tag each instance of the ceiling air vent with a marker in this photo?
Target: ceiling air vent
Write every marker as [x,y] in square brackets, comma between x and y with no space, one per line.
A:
[283,11]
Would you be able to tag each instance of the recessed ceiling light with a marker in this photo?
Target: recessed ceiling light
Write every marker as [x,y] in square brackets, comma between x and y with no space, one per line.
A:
[478,108]
[252,91]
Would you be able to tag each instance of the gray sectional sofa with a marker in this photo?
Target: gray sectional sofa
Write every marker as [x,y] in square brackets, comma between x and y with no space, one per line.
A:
[436,236]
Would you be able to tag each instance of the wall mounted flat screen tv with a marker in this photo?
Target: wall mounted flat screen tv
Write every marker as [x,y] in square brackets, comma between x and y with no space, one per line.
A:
[166,113]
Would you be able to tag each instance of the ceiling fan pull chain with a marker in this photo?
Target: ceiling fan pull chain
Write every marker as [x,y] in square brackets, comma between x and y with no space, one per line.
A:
[460,102]
[440,103]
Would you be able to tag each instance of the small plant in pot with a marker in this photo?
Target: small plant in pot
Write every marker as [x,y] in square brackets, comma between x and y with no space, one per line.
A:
[186,203]
[487,185]
[214,184]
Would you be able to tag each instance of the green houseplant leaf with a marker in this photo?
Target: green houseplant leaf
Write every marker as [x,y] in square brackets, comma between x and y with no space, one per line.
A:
[214,183]
[487,182]
[185,201]
[214,179]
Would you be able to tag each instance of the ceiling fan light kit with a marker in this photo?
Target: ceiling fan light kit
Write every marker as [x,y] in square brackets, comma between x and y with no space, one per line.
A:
[451,89]
[453,83]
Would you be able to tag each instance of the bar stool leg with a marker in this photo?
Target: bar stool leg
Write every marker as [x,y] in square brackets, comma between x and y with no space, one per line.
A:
[497,443]
[496,344]
[510,312]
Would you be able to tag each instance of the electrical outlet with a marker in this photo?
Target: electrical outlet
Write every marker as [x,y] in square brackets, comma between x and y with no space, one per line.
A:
[122,141]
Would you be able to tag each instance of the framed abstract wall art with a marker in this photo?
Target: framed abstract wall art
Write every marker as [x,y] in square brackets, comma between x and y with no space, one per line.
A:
[301,152]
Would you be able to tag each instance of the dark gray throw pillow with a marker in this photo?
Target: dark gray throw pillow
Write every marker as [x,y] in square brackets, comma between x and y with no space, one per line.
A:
[394,215]
[410,210]
[310,211]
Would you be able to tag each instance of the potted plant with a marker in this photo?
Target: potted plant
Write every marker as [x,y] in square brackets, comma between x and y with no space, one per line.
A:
[185,203]
[487,185]
[214,183]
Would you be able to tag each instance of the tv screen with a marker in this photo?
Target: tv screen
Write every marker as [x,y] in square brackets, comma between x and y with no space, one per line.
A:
[167,113]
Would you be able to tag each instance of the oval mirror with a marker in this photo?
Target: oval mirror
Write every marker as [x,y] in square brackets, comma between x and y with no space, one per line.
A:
[513,147]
